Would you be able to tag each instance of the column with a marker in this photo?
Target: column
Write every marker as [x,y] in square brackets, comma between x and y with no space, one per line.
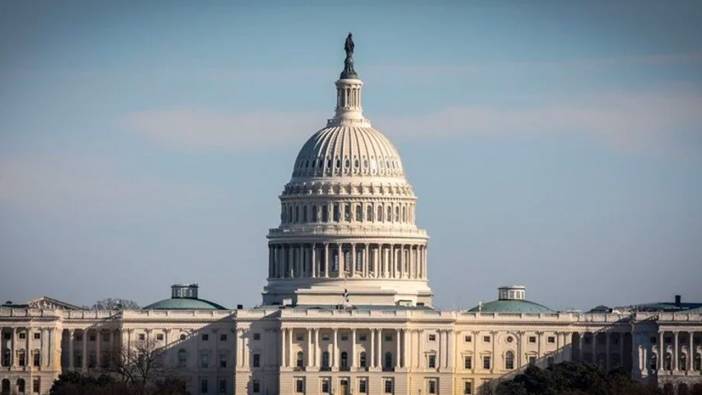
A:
[335,353]
[406,362]
[397,343]
[283,360]
[440,356]
[71,353]
[112,346]
[621,349]
[354,365]
[98,341]
[676,357]
[317,347]
[691,352]
[372,348]
[353,260]
[379,354]
[594,347]
[661,351]
[291,354]
[493,359]
[245,347]
[340,260]
[314,260]
[85,350]
[607,351]
[449,344]
[326,260]
[310,360]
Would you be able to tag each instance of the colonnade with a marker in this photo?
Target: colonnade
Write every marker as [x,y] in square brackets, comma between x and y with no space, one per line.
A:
[86,357]
[611,343]
[362,260]
[348,212]
[671,353]
[20,350]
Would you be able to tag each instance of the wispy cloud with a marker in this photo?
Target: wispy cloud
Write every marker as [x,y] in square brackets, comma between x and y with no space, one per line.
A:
[206,129]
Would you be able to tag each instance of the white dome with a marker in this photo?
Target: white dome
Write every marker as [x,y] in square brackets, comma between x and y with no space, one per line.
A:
[348,151]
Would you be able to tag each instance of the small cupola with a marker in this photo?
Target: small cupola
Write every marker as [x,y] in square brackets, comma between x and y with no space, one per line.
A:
[511,292]
[182,291]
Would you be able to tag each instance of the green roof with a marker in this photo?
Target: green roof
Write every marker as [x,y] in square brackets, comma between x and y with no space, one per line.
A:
[511,306]
[184,304]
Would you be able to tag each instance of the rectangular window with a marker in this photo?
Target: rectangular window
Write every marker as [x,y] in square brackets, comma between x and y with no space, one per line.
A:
[37,359]
[223,337]
[204,360]
[325,386]
[431,387]
[257,336]
[551,339]
[468,362]
[467,388]
[468,338]
[532,339]
[532,360]
[486,339]
[205,337]
[222,386]
[362,338]
[23,335]
[256,360]
[486,362]
[362,386]
[344,337]
[432,361]
[142,337]
[388,338]
[222,360]
[37,335]
[203,386]
[388,386]
[432,337]
[300,385]
[159,336]
[256,386]
[36,385]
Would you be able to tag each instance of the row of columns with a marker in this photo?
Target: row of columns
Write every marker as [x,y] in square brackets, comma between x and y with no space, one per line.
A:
[675,355]
[11,349]
[85,333]
[352,213]
[375,352]
[362,260]
[593,336]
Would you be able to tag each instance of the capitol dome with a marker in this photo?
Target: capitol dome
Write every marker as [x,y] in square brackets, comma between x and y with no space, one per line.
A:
[347,232]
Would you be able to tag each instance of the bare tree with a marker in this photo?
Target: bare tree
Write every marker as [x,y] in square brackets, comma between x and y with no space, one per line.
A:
[142,366]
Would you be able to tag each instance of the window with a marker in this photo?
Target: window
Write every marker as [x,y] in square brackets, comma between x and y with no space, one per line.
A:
[336,212]
[222,360]
[369,213]
[431,363]
[36,385]
[142,337]
[468,362]
[362,360]
[388,338]
[22,361]
[256,386]
[532,360]
[314,213]
[551,339]
[467,388]
[325,214]
[36,359]
[37,335]
[510,339]
[222,386]
[205,337]
[20,385]
[223,337]
[359,213]
[344,360]
[486,362]
[300,385]
[159,336]
[325,386]
[486,339]
[300,359]
[344,337]
[362,338]
[325,360]
[182,358]
[256,360]
[203,386]
[509,360]
[431,387]
[204,360]
[380,213]
[388,386]
[432,337]
[257,336]
[532,339]
[182,337]
[388,360]
[23,335]
[362,386]
[468,338]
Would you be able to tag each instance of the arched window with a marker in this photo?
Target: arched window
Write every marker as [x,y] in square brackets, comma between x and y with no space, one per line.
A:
[359,213]
[314,213]
[404,214]
[509,360]
[654,362]
[344,364]
[347,212]
[369,214]
[5,388]
[389,217]
[698,362]
[325,213]
[362,360]
[387,362]
[20,385]
[300,359]
[380,214]
[337,214]
[683,362]
[668,361]
[304,214]
[397,213]
[325,360]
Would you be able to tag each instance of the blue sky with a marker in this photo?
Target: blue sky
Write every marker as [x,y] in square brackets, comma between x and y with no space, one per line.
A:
[552,144]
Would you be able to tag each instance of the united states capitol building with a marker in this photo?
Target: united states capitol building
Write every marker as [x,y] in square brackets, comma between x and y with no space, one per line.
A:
[347,308]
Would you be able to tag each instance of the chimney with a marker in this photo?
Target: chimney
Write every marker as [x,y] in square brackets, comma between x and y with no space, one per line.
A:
[239,306]
[678,300]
